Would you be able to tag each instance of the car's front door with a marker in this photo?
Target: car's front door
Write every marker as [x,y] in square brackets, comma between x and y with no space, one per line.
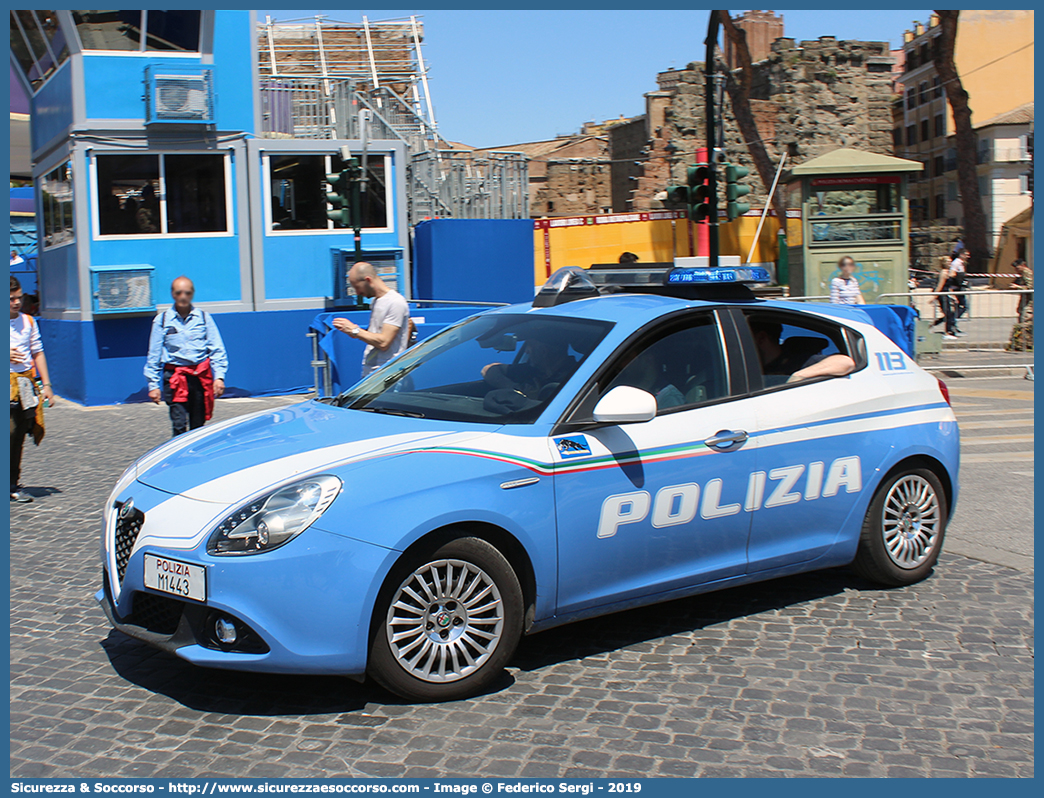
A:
[650,507]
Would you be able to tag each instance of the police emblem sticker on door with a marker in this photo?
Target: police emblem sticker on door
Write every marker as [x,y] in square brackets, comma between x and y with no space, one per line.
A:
[572,446]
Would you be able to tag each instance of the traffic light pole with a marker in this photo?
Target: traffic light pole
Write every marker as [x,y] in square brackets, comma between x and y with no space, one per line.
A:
[712,200]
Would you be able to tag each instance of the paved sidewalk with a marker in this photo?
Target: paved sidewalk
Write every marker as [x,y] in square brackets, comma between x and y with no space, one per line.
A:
[814,675]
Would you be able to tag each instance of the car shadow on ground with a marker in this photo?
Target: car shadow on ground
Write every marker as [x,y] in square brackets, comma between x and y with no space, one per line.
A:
[244,693]
[253,694]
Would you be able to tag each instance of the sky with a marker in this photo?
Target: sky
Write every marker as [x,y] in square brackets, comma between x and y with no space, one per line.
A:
[503,77]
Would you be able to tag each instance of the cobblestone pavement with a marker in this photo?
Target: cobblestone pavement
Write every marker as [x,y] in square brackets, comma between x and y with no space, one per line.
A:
[815,675]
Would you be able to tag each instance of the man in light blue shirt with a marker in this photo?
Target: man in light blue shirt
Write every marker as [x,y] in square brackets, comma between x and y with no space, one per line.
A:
[187,360]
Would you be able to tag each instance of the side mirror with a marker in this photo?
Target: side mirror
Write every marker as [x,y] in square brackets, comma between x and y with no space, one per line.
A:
[625,405]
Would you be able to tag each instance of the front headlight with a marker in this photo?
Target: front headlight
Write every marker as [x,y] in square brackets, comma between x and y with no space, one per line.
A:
[269,521]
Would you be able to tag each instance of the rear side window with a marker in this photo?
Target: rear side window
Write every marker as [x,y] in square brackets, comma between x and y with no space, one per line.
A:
[788,343]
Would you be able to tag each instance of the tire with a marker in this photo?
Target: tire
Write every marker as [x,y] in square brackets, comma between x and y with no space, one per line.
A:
[446,622]
[904,528]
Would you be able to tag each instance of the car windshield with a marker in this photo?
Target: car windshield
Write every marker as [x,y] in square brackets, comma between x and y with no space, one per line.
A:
[495,369]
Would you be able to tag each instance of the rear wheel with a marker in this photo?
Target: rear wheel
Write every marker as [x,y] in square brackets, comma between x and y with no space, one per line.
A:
[447,622]
[903,529]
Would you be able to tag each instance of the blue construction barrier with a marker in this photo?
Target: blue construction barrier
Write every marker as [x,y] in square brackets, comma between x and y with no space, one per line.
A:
[898,322]
[101,362]
[474,260]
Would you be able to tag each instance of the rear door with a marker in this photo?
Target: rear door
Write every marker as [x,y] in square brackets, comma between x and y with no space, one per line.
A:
[819,440]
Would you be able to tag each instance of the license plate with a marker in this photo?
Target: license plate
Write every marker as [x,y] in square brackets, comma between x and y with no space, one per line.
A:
[181,579]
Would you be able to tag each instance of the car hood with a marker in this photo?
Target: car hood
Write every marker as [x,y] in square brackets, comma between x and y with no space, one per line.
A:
[234,460]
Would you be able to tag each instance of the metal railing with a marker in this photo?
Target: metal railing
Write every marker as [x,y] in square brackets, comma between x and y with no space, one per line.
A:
[983,320]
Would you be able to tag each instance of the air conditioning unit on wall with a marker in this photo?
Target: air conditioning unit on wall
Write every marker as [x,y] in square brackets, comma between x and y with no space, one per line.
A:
[179,96]
[122,289]
[387,262]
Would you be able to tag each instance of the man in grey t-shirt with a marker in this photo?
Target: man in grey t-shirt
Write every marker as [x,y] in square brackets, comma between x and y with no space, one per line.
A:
[389,330]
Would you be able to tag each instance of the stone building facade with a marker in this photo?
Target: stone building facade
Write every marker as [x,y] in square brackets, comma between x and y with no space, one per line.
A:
[572,188]
[808,98]
[569,175]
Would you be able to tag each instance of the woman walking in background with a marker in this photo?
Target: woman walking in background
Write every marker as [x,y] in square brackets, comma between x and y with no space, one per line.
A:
[844,290]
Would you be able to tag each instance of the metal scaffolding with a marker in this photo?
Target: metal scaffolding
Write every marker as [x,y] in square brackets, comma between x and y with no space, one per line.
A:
[317,75]
[458,184]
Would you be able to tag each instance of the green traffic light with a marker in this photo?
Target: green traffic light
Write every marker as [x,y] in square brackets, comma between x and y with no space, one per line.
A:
[735,173]
[678,195]
[734,210]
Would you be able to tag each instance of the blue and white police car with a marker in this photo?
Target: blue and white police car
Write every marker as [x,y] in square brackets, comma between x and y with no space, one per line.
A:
[530,466]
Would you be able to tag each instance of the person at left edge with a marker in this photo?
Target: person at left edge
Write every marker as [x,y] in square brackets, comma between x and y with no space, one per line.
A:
[187,360]
[26,354]
[388,333]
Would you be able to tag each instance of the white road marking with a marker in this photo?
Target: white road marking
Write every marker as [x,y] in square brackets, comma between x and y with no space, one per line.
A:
[998,457]
[965,425]
[982,440]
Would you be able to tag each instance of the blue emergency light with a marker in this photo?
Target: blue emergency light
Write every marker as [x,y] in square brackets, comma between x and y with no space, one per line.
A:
[706,276]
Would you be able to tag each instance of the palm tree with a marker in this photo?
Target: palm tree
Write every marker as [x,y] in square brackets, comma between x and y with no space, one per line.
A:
[967,147]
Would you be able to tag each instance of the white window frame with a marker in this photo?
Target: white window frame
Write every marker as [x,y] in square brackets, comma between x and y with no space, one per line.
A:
[96,234]
[330,229]
[144,38]
[42,234]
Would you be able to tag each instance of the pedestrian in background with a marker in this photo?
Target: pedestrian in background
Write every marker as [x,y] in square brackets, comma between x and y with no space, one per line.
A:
[1025,282]
[27,399]
[960,282]
[187,362]
[1022,331]
[844,290]
[948,280]
[627,257]
[389,330]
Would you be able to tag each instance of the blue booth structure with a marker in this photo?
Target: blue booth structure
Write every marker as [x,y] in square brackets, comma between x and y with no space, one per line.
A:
[148,164]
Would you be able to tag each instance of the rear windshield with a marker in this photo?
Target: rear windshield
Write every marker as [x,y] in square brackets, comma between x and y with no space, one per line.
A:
[496,369]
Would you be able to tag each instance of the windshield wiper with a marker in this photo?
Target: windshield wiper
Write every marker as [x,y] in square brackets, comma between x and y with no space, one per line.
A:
[389,412]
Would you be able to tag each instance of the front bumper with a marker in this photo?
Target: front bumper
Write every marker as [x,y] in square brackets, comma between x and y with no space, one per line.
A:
[302,608]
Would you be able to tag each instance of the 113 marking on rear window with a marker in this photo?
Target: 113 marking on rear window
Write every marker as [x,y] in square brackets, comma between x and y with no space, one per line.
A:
[890,361]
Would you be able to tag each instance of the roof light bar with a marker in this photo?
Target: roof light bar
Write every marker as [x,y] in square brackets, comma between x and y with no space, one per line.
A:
[704,276]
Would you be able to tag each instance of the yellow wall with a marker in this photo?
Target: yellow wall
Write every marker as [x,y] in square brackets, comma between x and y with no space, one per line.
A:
[996,77]
[657,241]
[736,237]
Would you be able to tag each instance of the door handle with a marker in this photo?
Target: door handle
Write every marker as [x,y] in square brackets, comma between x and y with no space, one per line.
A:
[725,439]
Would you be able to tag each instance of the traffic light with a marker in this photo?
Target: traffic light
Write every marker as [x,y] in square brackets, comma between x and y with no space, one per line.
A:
[734,190]
[699,192]
[339,198]
[694,196]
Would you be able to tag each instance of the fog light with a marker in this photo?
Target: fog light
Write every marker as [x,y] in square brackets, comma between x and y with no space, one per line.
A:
[225,631]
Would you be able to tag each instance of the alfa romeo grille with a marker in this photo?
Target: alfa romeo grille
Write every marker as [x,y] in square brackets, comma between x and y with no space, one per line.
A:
[157,613]
[128,523]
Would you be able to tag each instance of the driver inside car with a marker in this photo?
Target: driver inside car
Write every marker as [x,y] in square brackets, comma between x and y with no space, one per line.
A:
[547,363]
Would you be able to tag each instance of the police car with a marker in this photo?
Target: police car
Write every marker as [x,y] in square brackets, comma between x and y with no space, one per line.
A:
[530,466]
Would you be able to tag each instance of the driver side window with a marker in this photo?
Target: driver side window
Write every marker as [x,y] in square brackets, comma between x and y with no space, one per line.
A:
[681,367]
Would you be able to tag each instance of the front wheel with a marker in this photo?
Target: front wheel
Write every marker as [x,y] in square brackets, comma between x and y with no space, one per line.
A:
[903,529]
[446,623]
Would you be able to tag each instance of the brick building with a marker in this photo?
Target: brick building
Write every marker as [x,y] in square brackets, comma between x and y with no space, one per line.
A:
[569,175]
[762,28]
